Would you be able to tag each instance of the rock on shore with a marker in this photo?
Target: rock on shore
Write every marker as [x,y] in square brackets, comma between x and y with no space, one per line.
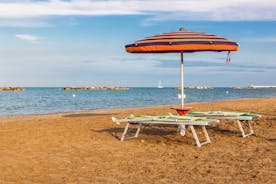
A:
[11,89]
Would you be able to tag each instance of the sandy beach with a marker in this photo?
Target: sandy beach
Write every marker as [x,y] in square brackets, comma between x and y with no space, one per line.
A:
[83,147]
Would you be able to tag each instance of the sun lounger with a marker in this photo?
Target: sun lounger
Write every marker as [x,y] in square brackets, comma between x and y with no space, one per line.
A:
[167,120]
[242,118]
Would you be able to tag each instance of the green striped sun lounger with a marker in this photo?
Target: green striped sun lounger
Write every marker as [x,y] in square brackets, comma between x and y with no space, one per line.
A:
[167,120]
[242,118]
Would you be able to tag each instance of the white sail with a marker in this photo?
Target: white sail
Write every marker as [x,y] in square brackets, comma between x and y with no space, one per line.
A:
[160,84]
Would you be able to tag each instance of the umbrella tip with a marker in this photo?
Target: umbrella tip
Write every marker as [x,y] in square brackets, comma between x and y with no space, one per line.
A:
[181,29]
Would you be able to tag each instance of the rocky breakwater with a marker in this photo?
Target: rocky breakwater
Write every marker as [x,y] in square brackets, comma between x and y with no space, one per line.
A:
[194,87]
[96,88]
[242,87]
[251,87]
[11,89]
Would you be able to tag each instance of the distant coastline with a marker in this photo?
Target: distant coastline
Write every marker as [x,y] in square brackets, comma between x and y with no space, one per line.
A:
[127,88]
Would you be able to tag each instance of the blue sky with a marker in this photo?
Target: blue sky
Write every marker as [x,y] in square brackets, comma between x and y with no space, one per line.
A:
[81,42]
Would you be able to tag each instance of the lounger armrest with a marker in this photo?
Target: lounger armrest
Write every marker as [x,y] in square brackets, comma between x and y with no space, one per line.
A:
[115,120]
[170,114]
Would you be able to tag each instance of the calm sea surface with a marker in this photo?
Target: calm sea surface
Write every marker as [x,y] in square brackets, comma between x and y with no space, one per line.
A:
[49,100]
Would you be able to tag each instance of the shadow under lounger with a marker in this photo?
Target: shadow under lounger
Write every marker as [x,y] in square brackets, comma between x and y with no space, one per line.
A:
[167,120]
[242,118]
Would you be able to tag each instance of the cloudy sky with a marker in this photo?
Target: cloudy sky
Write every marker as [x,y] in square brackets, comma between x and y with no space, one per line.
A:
[81,42]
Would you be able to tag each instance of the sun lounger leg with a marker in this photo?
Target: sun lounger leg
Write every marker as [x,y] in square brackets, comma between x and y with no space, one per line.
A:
[250,128]
[247,123]
[206,134]
[126,129]
[138,130]
[195,136]
[181,129]
[178,128]
[124,133]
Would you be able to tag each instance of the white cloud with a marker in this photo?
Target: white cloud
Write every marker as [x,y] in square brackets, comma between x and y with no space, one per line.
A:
[159,10]
[30,22]
[27,37]
[25,9]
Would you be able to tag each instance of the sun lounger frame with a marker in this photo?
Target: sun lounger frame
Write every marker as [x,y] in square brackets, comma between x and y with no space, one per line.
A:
[180,123]
[241,121]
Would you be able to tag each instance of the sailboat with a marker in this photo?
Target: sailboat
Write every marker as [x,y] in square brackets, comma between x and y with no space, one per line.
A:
[160,84]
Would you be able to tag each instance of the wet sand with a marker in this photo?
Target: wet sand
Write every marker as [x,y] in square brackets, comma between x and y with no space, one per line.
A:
[83,147]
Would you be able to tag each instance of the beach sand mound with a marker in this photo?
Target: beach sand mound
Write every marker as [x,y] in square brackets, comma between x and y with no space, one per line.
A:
[83,147]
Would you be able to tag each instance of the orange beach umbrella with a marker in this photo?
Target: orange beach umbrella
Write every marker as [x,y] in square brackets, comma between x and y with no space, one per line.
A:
[182,41]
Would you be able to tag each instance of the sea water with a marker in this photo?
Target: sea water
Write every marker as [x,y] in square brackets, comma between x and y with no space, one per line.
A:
[50,100]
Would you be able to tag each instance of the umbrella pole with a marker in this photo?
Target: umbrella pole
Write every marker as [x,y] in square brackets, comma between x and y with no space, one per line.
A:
[182,80]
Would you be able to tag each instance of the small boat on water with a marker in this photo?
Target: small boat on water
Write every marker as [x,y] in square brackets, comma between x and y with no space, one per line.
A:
[160,84]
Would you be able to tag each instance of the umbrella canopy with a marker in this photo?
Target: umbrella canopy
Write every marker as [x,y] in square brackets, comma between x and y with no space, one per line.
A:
[181,41]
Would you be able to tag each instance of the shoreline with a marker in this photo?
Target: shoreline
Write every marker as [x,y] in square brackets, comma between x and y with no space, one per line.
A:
[133,107]
[84,147]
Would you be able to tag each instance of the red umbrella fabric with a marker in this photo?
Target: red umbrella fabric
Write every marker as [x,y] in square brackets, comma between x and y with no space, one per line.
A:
[182,41]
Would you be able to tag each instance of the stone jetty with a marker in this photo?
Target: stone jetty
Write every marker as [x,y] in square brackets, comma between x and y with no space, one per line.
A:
[96,88]
[194,87]
[242,87]
[251,87]
[11,89]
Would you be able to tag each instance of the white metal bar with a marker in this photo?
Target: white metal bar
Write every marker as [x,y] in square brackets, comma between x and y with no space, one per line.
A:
[222,117]
[251,131]
[225,116]
[178,128]
[138,130]
[250,128]
[124,137]
[174,122]
[182,129]
[203,143]
[240,127]
[124,133]
[198,143]
[195,136]
[206,134]
[182,79]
